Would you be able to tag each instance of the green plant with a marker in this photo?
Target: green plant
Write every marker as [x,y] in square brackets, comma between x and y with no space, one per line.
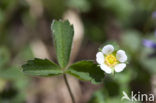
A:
[84,70]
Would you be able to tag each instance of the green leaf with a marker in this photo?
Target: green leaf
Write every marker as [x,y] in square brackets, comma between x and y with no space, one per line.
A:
[39,67]
[63,35]
[86,70]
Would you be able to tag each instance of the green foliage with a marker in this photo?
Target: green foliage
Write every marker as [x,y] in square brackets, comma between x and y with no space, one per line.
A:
[82,5]
[101,97]
[54,8]
[63,35]
[39,67]
[123,8]
[11,73]
[147,60]
[131,40]
[26,53]
[147,57]
[15,93]
[102,19]
[86,70]
[4,56]
[118,100]
[98,97]
[113,87]
[1,15]
[95,32]
[18,85]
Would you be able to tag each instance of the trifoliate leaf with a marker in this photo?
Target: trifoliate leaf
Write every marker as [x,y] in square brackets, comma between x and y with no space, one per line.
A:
[63,35]
[86,70]
[40,67]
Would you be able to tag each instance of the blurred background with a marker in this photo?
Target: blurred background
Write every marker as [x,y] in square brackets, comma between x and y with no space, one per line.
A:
[25,33]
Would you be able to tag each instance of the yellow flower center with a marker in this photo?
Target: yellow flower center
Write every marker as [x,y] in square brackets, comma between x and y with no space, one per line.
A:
[111,60]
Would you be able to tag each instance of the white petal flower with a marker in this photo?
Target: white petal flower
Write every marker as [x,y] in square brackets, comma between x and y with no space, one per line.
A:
[121,56]
[106,68]
[108,49]
[100,58]
[110,60]
[120,67]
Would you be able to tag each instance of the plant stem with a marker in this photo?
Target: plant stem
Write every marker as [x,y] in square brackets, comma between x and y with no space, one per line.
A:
[69,89]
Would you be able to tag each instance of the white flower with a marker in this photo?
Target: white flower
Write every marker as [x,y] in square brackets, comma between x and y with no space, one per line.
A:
[110,60]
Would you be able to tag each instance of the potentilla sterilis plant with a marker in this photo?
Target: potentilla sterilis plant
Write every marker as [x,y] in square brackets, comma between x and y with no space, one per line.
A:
[111,60]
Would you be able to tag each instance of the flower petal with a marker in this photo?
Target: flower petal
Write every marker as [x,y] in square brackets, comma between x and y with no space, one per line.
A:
[120,67]
[100,58]
[108,49]
[149,43]
[106,69]
[121,56]
[154,15]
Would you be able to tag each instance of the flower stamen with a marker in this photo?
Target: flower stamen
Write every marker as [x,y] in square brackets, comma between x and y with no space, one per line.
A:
[111,60]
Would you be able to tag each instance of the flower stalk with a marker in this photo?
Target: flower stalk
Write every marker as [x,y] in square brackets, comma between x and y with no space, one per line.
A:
[69,89]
